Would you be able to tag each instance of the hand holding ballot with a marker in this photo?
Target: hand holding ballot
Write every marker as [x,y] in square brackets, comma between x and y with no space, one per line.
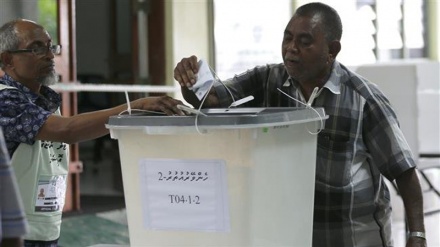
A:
[196,79]
[196,76]
[205,79]
[186,70]
[204,75]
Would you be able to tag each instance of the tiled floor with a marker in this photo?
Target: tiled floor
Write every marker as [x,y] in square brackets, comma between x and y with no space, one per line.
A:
[102,218]
[110,227]
[102,221]
[92,229]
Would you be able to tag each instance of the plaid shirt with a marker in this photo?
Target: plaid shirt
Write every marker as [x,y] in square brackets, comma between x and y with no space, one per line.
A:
[359,146]
[12,220]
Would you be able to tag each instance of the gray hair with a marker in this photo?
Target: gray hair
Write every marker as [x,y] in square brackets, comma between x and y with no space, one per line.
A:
[9,39]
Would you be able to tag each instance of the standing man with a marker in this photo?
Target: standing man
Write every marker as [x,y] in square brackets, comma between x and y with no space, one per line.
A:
[13,225]
[359,147]
[36,135]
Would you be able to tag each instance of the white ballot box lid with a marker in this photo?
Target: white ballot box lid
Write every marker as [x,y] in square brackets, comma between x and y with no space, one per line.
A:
[218,118]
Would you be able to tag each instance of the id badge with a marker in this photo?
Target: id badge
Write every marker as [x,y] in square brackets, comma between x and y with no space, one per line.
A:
[50,194]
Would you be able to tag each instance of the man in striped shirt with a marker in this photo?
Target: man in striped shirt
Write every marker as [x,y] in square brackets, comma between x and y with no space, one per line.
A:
[13,224]
[360,145]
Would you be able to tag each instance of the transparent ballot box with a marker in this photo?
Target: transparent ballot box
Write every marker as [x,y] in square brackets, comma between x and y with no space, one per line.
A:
[227,177]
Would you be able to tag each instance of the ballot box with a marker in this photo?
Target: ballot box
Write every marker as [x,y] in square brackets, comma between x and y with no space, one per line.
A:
[229,177]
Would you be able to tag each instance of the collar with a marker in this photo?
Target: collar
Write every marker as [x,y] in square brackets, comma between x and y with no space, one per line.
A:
[47,94]
[333,83]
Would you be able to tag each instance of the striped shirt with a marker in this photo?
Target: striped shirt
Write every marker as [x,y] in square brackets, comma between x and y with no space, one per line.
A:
[359,146]
[12,219]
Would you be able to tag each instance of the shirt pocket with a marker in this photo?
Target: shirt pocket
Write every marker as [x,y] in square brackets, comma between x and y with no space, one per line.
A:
[334,157]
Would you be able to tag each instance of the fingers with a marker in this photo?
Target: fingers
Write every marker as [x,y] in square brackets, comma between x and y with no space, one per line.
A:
[165,104]
[171,107]
[168,105]
[186,70]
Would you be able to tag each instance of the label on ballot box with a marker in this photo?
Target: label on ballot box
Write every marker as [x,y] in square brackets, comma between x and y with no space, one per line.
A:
[188,195]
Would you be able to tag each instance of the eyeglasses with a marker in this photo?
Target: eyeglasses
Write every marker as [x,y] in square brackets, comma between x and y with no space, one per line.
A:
[41,51]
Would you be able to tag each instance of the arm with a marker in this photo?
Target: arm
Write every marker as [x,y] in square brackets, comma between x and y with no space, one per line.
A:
[410,190]
[91,125]
[387,145]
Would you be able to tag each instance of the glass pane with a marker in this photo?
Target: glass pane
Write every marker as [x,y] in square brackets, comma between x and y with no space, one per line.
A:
[358,32]
[389,24]
[43,12]
[244,39]
[47,17]
[413,23]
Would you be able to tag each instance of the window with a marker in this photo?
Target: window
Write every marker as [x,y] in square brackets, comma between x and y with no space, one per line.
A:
[43,12]
[47,17]
[380,30]
[249,33]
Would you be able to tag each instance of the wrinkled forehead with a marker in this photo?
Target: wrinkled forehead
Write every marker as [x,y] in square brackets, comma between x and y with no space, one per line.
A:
[310,21]
[311,24]
[31,33]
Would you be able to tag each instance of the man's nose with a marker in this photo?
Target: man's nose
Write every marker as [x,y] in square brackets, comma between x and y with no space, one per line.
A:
[50,54]
[292,47]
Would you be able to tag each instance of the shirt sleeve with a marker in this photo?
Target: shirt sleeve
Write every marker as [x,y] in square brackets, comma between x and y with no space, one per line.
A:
[384,138]
[20,118]
[13,223]
[252,82]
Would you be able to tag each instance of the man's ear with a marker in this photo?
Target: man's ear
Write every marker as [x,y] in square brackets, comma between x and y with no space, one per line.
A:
[6,59]
[334,48]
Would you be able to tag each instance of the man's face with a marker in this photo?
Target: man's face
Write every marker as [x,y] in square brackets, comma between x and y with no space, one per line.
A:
[305,50]
[28,67]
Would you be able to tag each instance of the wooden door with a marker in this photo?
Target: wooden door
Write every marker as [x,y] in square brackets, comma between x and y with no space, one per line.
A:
[65,65]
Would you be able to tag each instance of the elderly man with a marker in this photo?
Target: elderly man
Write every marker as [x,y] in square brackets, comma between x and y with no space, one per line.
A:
[360,145]
[37,137]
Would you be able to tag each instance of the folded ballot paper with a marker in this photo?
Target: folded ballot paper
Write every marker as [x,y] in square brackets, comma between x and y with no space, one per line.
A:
[205,78]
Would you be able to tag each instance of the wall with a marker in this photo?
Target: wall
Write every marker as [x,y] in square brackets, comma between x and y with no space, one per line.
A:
[188,34]
[433,8]
[12,9]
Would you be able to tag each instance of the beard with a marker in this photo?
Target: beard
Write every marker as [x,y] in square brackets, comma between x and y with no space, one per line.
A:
[49,79]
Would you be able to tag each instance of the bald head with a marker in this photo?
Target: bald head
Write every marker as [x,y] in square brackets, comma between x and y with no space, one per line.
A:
[329,18]
[21,41]
[14,32]
[25,27]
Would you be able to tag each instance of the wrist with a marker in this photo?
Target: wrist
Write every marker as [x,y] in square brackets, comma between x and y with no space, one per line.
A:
[417,235]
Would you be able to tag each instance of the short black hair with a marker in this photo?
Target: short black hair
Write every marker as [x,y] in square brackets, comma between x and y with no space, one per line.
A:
[329,17]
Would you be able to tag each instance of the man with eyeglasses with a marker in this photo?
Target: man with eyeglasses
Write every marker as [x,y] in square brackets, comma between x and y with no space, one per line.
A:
[36,135]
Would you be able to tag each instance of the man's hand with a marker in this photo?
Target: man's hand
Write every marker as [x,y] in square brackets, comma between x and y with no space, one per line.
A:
[164,104]
[186,70]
